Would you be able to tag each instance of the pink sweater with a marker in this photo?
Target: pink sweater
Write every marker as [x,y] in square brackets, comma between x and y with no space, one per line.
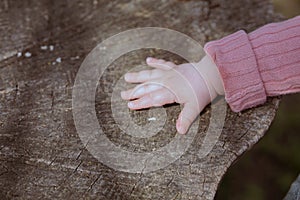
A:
[265,62]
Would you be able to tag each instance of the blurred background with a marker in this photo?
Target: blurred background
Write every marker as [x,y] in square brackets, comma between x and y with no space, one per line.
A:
[270,167]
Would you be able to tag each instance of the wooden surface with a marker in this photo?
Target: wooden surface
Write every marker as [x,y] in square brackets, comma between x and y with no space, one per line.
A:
[42,156]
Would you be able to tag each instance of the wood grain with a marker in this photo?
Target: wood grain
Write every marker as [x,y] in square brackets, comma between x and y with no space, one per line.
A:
[41,154]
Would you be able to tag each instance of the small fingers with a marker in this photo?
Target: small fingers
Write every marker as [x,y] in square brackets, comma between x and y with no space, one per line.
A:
[146,75]
[139,91]
[186,118]
[142,76]
[154,99]
[159,63]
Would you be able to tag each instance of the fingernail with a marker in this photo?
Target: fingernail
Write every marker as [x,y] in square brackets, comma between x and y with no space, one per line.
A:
[126,77]
[130,104]
[180,128]
[149,59]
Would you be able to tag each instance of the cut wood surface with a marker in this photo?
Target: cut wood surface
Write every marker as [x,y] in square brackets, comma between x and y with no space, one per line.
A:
[42,45]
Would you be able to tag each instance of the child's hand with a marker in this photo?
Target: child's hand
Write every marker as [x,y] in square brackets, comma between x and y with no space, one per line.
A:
[193,85]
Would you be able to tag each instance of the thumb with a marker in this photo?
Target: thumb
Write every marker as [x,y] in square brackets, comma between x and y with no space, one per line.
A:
[187,116]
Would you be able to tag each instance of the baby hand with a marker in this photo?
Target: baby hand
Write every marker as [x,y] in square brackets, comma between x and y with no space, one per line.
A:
[192,85]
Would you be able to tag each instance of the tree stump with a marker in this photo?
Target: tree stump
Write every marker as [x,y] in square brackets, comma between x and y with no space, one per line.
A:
[43,44]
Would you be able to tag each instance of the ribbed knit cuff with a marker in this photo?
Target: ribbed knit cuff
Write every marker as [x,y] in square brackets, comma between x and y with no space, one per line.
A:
[238,67]
[277,50]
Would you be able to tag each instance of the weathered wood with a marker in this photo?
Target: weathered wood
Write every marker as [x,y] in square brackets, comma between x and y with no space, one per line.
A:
[42,156]
[294,192]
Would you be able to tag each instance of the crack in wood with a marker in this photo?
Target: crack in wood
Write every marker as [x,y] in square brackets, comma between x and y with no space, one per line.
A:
[77,166]
[38,124]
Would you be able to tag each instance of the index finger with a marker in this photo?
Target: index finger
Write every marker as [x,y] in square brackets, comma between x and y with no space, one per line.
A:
[143,76]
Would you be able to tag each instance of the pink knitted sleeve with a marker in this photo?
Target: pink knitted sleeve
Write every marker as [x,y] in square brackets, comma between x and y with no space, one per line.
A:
[263,63]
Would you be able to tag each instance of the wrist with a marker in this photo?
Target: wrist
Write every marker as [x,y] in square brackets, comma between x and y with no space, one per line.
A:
[210,73]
